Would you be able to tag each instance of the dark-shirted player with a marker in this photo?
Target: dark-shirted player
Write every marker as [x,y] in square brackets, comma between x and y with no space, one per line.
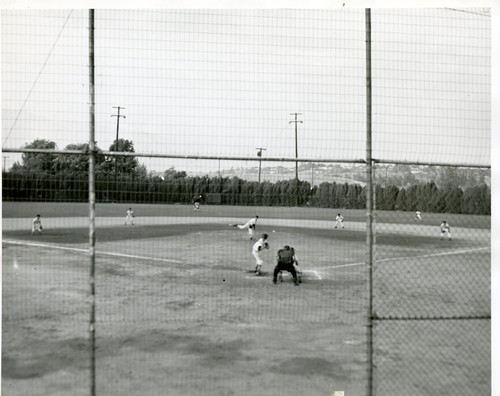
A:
[287,261]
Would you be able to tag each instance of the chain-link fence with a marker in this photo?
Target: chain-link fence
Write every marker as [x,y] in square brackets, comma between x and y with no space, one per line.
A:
[285,114]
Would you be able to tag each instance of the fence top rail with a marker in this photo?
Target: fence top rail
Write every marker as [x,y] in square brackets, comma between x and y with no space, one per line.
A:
[431,163]
[244,158]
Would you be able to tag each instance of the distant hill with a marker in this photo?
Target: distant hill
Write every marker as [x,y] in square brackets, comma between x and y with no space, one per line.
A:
[398,175]
[315,175]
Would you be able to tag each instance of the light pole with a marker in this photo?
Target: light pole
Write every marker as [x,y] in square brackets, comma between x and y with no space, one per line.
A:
[259,154]
[296,156]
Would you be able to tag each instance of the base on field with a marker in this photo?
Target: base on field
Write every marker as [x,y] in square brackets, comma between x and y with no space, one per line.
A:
[262,273]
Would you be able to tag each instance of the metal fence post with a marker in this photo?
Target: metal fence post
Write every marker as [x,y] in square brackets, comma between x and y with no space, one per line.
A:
[92,203]
[369,201]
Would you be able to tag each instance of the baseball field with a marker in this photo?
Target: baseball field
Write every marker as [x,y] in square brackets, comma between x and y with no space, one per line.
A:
[179,310]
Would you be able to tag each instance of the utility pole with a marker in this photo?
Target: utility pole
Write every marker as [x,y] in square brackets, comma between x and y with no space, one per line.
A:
[259,154]
[312,174]
[296,156]
[296,148]
[117,130]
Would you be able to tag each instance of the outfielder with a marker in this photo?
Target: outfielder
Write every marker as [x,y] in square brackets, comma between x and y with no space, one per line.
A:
[418,215]
[287,261]
[250,224]
[130,216]
[339,220]
[37,225]
[197,200]
[258,246]
[445,229]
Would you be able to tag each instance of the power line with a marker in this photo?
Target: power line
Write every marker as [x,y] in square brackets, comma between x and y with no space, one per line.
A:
[37,77]
[486,14]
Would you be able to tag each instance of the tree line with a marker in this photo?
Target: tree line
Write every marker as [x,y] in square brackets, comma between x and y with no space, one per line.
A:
[235,191]
[64,177]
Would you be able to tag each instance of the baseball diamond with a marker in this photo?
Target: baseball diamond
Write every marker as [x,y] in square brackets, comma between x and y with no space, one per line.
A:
[174,293]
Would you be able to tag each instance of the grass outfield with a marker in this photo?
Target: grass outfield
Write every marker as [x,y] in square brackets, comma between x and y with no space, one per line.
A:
[65,209]
[179,311]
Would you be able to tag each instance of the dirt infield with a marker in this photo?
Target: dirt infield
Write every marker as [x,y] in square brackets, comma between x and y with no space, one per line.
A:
[186,326]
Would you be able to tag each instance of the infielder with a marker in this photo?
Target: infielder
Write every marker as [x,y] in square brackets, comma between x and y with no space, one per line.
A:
[418,215]
[258,246]
[250,224]
[445,229]
[339,220]
[37,225]
[287,261]
[130,216]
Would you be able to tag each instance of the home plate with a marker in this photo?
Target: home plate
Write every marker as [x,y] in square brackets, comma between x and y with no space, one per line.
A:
[353,342]
[262,275]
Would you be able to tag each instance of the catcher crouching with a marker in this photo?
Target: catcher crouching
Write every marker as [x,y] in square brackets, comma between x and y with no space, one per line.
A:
[287,261]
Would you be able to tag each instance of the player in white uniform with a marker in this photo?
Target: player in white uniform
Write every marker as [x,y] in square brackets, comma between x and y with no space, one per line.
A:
[130,216]
[250,224]
[37,225]
[257,248]
[339,220]
[197,200]
[418,215]
[445,229]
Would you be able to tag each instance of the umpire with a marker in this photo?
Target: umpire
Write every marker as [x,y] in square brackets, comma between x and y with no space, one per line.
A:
[286,259]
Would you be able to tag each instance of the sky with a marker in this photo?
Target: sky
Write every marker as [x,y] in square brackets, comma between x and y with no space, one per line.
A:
[226,81]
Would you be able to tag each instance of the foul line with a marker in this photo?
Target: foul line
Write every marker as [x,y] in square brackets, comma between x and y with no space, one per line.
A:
[315,272]
[343,266]
[408,257]
[141,257]
[86,251]
[318,276]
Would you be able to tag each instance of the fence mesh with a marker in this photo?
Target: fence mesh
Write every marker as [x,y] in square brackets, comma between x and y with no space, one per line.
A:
[431,75]
[254,112]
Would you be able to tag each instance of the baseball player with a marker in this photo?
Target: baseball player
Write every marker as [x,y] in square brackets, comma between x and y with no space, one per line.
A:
[257,248]
[197,200]
[445,229]
[130,216]
[250,224]
[339,220]
[37,225]
[287,261]
[418,215]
